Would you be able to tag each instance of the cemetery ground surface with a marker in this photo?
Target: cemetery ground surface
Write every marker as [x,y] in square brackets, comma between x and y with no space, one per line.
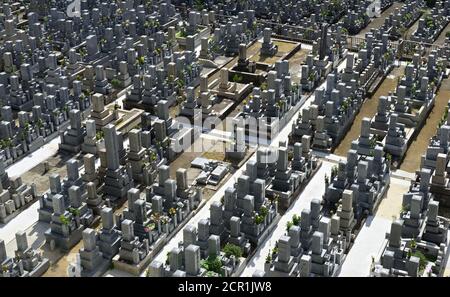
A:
[410,31]
[419,145]
[441,38]
[369,109]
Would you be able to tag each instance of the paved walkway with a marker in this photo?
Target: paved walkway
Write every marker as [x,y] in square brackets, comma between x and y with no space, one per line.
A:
[29,216]
[369,241]
[314,189]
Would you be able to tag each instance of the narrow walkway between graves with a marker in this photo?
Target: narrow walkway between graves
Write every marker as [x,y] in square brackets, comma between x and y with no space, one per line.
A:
[379,21]
[369,241]
[419,145]
[314,189]
[410,31]
[369,109]
[441,38]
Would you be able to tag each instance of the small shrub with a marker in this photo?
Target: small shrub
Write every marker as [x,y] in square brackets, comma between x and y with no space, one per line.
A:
[231,249]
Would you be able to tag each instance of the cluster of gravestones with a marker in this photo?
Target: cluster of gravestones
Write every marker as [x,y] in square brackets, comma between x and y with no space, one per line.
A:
[420,232]
[26,262]
[315,244]
[415,90]
[228,35]
[402,18]
[151,217]
[431,25]
[286,11]
[356,20]
[275,101]
[246,215]
[14,195]
[43,85]
[53,89]
[336,106]
[420,229]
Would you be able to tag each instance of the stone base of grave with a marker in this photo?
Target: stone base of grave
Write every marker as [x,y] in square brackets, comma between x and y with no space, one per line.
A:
[240,268]
[89,149]
[70,148]
[276,273]
[99,271]
[266,232]
[441,194]
[284,203]
[131,268]
[236,91]
[40,269]
[65,243]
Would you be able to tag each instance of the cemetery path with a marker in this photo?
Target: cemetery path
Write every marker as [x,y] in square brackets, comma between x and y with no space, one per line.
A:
[369,109]
[410,31]
[34,159]
[30,215]
[379,21]
[370,239]
[314,189]
[441,38]
[411,162]
[295,63]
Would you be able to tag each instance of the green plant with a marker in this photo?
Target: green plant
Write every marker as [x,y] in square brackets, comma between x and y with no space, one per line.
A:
[263,211]
[389,157]
[150,226]
[74,211]
[199,5]
[430,3]
[259,219]
[141,60]
[275,251]
[237,78]
[231,249]
[64,220]
[422,259]
[212,263]
[289,224]
[172,211]
[153,156]
[296,220]
[40,123]
[269,258]
[99,135]
[168,258]
[115,83]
